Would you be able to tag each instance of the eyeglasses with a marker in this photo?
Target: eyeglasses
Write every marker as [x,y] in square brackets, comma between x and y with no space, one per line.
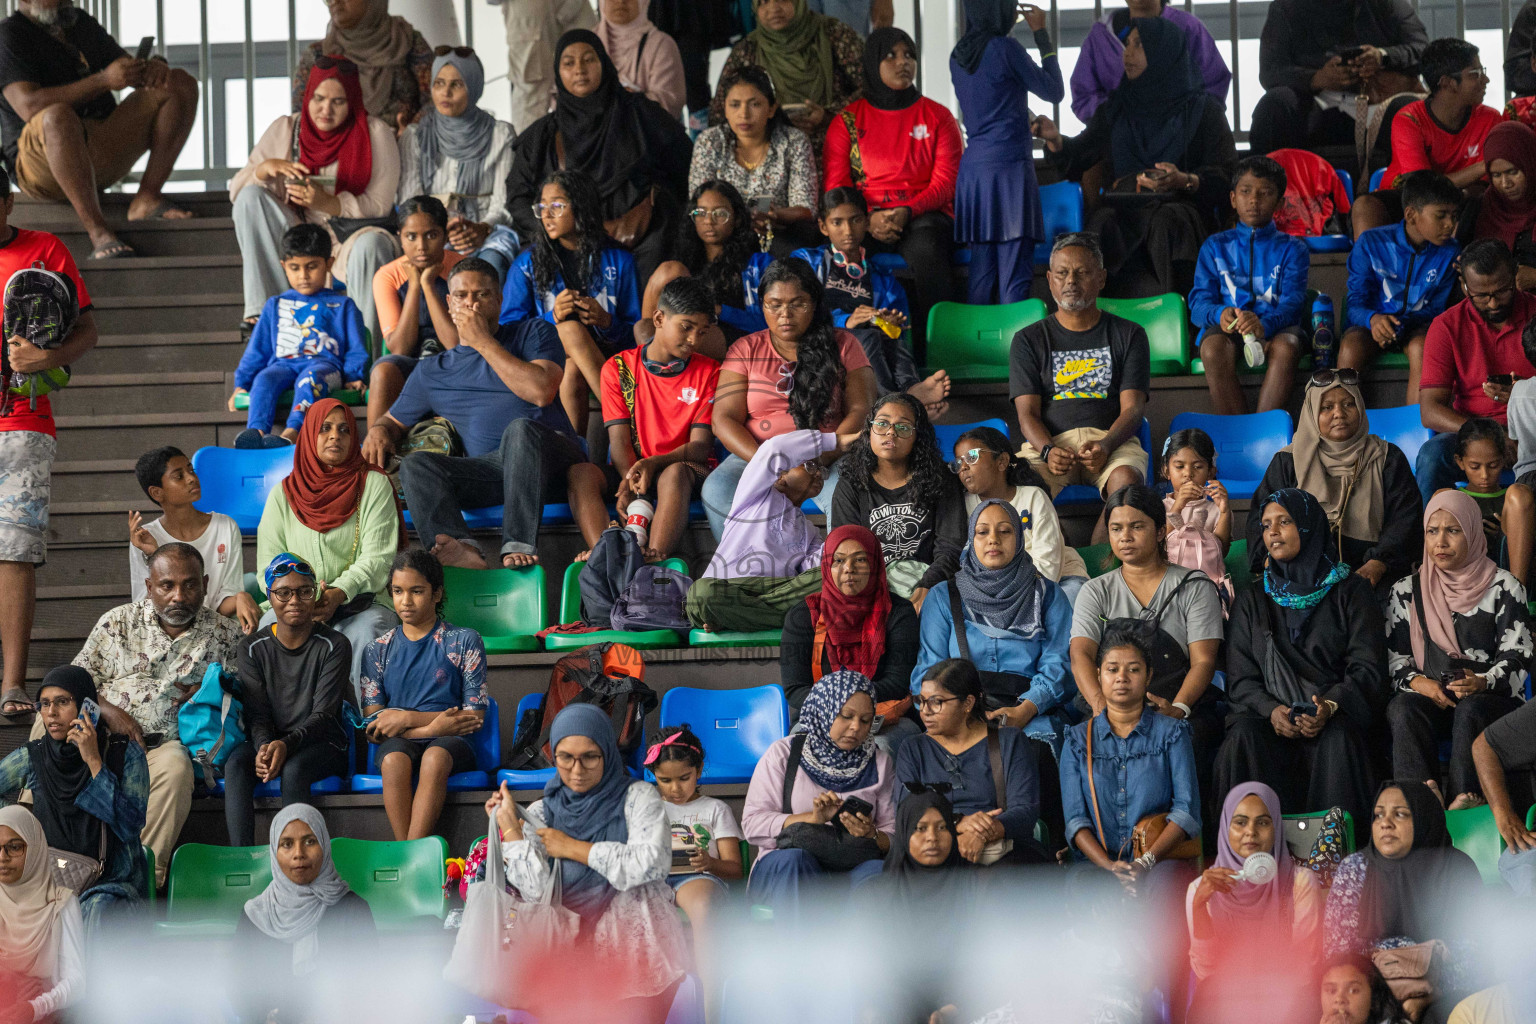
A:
[1491,297]
[797,306]
[718,214]
[325,62]
[58,702]
[1328,378]
[13,849]
[1480,72]
[934,704]
[591,761]
[457,51]
[786,382]
[887,427]
[967,458]
[557,208]
[286,594]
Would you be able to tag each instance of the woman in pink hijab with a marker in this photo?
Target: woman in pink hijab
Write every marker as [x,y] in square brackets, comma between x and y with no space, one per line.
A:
[1259,931]
[647,58]
[1457,645]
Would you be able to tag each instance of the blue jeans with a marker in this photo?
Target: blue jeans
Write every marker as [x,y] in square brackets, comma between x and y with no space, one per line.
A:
[1436,468]
[853,13]
[500,249]
[778,876]
[719,491]
[311,380]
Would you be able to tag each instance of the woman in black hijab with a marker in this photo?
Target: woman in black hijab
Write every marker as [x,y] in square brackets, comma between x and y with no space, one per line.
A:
[90,790]
[636,152]
[1306,668]
[1170,153]
[1409,886]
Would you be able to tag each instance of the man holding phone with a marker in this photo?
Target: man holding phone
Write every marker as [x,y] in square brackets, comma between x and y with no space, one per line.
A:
[66,137]
[1473,354]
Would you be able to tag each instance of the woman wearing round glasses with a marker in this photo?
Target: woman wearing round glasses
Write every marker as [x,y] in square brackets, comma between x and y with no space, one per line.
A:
[1365,484]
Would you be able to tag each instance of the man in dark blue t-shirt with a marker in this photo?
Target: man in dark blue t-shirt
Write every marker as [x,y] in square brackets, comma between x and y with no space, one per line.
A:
[498,387]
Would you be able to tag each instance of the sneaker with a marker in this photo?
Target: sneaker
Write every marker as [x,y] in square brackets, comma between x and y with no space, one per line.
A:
[276,441]
[250,437]
[1253,352]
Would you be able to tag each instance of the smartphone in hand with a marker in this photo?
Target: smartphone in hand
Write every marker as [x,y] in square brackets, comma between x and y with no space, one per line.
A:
[146,48]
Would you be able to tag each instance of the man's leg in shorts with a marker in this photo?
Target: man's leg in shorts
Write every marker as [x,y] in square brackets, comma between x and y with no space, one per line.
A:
[1282,354]
[1218,351]
[64,147]
[26,467]
[1413,348]
[168,134]
[1357,349]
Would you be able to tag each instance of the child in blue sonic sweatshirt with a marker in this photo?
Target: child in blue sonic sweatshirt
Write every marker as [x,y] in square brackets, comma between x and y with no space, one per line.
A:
[309,338]
[1250,287]
[1400,277]
[579,279]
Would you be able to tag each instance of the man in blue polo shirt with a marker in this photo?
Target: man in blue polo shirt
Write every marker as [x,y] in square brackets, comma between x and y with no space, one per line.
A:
[498,387]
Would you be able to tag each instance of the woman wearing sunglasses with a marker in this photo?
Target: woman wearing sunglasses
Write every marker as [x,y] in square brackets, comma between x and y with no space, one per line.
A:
[894,482]
[1365,484]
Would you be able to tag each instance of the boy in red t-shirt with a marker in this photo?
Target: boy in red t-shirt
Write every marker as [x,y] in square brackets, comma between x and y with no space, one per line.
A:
[657,403]
[26,451]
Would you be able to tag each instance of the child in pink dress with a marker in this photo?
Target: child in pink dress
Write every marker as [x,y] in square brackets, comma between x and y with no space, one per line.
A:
[1199,519]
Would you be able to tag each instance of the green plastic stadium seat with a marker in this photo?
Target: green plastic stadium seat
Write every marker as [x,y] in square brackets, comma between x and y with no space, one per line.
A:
[1474,833]
[209,885]
[1237,565]
[1165,318]
[507,607]
[285,400]
[972,342]
[570,611]
[149,874]
[402,881]
[756,638]
[1314,819]
[1098,558]
[1391,360]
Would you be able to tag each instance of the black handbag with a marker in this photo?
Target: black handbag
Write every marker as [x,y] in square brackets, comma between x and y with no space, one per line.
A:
[343,228]
[999,689]
[1437,663]
[1170,661]
[834,849]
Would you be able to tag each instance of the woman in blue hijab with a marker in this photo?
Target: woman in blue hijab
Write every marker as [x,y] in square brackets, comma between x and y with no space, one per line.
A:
[606,837]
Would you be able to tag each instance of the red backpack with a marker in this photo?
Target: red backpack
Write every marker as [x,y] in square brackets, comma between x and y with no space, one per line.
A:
[610,675]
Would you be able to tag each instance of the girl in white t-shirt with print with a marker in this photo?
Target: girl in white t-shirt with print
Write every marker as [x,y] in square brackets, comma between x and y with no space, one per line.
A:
[706,845]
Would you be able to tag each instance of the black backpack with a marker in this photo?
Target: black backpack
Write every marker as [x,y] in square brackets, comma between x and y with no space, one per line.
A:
[610,675]
[606,574]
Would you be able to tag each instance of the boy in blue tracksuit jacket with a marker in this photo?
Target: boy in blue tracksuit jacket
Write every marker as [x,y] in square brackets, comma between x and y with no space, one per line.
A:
[1251,281]
[1400,277]
[310,338]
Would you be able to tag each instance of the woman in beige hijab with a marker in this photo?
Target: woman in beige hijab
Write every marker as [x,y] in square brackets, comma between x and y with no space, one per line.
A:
[394,62]
[41,930]
[1364,484]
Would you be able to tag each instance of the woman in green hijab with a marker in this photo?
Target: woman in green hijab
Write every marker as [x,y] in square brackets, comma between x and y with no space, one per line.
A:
[815,63]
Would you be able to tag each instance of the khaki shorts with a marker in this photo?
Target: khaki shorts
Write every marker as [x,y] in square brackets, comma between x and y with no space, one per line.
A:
[115,145]
[1129,453]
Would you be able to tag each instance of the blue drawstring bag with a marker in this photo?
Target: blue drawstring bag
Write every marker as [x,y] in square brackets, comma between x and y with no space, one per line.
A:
[212,723]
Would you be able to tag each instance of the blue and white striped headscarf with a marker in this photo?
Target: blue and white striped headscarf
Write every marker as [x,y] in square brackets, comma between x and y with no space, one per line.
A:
[832,767]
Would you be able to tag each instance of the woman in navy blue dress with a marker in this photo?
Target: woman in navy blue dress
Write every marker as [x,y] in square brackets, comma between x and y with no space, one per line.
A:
[997,201]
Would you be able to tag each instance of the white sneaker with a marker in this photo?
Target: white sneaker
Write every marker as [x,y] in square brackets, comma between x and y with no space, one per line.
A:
[1253,351]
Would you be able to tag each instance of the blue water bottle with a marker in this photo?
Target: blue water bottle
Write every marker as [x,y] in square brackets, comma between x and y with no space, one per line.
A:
[1324,343]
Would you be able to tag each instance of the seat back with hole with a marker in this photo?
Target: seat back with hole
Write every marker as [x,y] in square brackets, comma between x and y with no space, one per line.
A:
[401,881]
[1474,833]
[1061,209]
[236,481]
[949,433]
[212,883]
[736,726]
[507,607]
[1244,444]
[972,342]
[1305,828]
[1402,426]
[1165,318]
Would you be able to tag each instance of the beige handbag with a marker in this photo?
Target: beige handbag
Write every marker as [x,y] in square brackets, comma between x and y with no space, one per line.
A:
[75,871]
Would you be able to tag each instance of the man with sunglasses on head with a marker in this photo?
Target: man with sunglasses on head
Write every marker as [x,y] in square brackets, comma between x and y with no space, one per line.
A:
[294,678]
[1473,355]
[148,658]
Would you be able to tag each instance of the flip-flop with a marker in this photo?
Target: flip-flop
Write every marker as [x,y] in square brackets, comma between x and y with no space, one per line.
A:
[14,698]
[166,206]
[113,250]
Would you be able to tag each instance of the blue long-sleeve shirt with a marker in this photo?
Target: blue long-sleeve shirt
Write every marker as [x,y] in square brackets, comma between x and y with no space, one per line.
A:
[1262,270]
[887,291]
[1388,275]
[614,285]
[1151,771]
[921,759]
[326,325]
[1045,660]
[748,317]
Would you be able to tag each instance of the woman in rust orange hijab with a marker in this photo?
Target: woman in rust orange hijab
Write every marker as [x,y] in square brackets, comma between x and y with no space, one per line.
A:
[339,515]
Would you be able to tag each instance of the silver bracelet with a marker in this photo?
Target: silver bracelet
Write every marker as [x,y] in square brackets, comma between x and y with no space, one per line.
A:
[1182,707]
[1147,861]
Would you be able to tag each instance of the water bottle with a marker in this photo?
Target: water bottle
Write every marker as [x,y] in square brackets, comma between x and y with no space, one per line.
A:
[1324,341]
[638,519]
[1253,351]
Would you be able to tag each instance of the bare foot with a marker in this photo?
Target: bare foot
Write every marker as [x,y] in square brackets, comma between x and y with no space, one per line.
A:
[707,628]
[1466,800]
[1434,787]
[936,411]
[457,553]
[518,560]
[582,556]
[933,390]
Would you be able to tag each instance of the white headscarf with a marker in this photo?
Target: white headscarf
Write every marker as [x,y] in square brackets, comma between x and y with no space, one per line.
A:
[30,908]
[289,912]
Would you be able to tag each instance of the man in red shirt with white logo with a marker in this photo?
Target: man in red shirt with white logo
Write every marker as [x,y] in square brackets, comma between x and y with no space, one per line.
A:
[26,451]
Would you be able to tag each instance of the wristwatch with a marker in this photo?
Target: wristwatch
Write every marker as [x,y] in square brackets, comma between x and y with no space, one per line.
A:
[1045,453]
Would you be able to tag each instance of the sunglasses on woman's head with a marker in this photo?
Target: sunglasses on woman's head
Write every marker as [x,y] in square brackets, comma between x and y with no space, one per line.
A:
[1328,378]
[457,51]
[326,62]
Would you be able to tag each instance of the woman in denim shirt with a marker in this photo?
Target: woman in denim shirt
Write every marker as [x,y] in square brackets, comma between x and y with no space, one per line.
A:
[1144,763]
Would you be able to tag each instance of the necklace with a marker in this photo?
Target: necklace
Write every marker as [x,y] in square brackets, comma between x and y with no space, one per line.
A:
[749,165]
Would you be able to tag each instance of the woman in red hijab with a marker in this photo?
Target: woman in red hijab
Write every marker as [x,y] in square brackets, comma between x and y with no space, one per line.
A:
[1507,210]
[339,515]
[856,623]
[328,163]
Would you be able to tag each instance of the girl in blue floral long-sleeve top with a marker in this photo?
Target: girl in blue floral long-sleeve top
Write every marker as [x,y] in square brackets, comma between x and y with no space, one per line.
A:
[89,788]
[424,694]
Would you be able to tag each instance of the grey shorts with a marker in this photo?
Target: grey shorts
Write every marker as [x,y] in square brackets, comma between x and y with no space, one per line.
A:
[26,468]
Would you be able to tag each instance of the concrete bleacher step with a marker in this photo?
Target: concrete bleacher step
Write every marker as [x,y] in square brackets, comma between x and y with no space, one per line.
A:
[41,213]
[211,350]
[203,236]
[107,394]
[165,314]
[129,435]
[170,276]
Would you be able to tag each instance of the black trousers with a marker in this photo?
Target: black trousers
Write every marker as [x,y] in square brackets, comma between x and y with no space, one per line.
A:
[303,769]
[1332,770]
[928,244]
[1419,724]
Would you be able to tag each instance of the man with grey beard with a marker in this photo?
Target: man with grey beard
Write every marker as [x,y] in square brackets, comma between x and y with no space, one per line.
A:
[1079,381]
[148,659]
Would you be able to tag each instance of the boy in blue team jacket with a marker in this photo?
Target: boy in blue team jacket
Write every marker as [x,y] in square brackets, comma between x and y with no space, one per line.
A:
[309,338]
[1250,287]
[1400,277]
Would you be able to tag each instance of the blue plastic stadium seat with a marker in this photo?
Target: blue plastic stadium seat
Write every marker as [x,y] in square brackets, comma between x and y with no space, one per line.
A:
[1347,180]
[1376,177]
[1402,426]
[1061,206]
[1328,243]
[889,263]
[737,726]
[1087,494]
[236,481]
[486,742]
[949,433]
[1244,444]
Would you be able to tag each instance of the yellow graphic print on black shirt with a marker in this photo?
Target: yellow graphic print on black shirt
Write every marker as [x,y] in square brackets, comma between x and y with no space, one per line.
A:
[1081,373]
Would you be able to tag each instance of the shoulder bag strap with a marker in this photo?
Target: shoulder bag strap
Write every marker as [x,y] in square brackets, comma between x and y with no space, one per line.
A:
[1189,577]
[1093,793]
[1418,609]
[855,158]
[957,615]
[792,768]
[995,757]
[640,50]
